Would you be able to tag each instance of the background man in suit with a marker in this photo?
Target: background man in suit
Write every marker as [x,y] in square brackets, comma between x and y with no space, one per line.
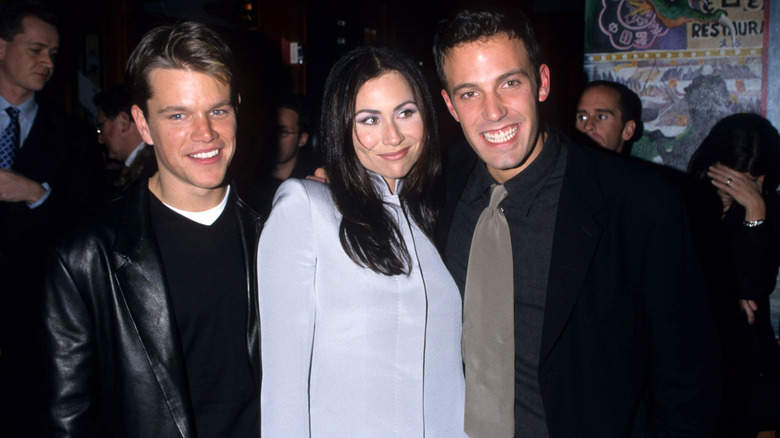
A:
[48,178]
[610,114]
[612,330]
[151,308]
[116,129]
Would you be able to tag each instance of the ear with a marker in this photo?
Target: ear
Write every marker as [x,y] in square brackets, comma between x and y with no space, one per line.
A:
[544,82]
[140,122]
[760,182]
[628,130]
[3,44]
[124,122]
[302,139]
[448,102]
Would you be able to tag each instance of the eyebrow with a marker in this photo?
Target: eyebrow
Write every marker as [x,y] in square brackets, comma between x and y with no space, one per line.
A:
[399,106]
[597,110]
[174,108]
[502,77]
[40,45]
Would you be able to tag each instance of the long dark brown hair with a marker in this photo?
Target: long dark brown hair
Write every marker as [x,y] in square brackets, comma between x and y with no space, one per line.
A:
[367,232]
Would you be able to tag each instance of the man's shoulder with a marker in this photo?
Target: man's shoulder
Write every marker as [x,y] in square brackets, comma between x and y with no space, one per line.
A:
[51,120]
[247,209]
[616,173]
[100,227]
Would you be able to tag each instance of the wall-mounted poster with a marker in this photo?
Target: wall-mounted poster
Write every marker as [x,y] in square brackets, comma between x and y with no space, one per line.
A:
[692,62]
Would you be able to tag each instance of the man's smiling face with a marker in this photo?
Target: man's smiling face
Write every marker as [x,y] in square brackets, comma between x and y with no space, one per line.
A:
[192,124]
[491,91]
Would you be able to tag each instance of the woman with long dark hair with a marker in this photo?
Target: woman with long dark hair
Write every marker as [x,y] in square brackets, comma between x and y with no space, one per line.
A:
[737,229]
[360,320]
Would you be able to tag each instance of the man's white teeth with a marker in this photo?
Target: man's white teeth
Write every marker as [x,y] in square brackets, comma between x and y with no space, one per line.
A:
[204,155]
[501,136]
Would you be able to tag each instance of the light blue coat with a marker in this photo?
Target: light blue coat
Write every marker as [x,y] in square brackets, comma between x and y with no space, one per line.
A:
[347,352]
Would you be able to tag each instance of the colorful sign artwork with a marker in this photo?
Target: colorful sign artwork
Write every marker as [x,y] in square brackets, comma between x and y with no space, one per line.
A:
[692,62]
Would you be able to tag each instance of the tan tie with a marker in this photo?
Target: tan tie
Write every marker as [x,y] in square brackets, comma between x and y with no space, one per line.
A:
[488,326]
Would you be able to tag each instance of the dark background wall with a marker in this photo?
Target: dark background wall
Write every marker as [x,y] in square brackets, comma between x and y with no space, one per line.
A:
[97,36]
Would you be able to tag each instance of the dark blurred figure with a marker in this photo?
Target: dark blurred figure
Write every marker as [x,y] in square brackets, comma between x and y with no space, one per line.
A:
[737,228]
[48,177]
[294,156]
[610,114]
[293,159]
[116,130]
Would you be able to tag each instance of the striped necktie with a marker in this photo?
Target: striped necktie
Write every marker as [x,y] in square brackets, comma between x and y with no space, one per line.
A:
[9,141]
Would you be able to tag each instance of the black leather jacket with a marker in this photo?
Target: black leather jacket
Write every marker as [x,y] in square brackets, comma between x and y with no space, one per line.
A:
[113,358]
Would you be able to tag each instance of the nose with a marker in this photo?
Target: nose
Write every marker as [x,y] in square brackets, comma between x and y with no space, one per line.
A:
[494,109]
[392,135]
[203,131]
[47,59]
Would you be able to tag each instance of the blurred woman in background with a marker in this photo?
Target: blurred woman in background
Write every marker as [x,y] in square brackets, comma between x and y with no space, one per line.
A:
[738,168]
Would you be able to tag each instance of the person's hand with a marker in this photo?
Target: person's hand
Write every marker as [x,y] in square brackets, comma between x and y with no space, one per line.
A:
[319,175]
[741,187]
[749,308]
[15,187]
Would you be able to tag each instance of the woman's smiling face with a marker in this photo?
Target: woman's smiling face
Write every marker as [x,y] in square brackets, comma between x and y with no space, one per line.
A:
[388,128]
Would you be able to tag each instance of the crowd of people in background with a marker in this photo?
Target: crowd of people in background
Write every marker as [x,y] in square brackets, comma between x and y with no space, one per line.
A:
[544,287]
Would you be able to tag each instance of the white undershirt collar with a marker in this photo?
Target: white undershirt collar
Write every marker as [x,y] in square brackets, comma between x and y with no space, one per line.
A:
[206,217]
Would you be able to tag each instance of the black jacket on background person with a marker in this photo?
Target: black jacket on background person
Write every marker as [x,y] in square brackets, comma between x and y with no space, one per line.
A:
[114,363]
[62,152]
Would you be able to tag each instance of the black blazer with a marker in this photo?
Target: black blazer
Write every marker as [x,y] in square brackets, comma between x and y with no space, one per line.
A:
[114,364]
[60,152]
[628,340]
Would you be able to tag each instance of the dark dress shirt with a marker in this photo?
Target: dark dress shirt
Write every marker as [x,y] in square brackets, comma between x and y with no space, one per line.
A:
[530,210]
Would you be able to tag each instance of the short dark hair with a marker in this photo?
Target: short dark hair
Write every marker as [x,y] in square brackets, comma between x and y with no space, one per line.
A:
[186,45]
[296,103]
[480,23]
[368,234]
[629,104]
[744,142]
[113,101]
[12,12]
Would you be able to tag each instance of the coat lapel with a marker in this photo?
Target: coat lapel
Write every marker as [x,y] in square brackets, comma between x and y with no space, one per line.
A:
[574,243]
[37,146]
[142,283]
[250,225]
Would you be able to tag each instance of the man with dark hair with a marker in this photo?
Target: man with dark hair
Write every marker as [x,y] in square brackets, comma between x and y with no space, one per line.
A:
[584,308]
[49,176]
[116,129]
[610,114]
[293,126]
[151,308]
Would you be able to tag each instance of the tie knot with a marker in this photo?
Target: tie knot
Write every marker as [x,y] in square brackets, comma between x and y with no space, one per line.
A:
[497,194]
[13,112]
